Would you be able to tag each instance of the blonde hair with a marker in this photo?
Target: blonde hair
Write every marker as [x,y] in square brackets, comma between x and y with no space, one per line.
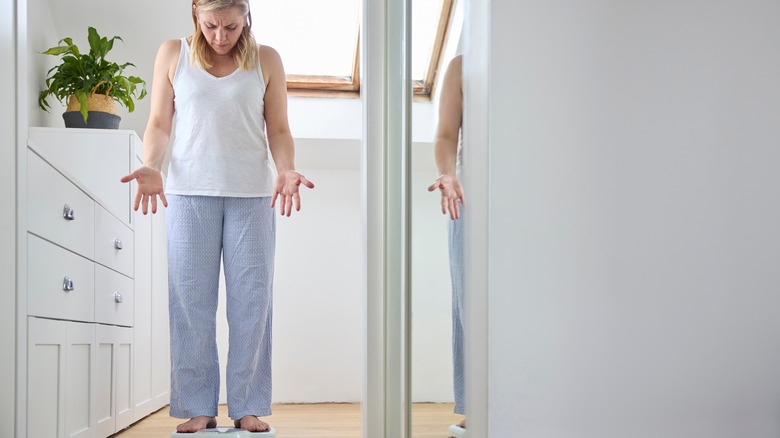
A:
[245,50]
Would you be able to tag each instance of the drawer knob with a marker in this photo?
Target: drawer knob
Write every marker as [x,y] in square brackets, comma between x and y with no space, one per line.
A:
[67,284]
[117,243]
[68,213]
[117,297]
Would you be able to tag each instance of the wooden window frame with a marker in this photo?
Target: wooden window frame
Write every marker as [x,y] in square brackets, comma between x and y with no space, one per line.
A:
[328,86]
[423,89]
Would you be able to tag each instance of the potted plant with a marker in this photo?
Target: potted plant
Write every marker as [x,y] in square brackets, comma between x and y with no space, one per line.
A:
[91,84]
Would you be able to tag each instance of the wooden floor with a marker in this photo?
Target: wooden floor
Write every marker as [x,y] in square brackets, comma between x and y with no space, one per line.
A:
[330,420]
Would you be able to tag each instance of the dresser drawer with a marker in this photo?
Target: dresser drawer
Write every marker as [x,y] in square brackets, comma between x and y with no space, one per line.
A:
[60,284]
[113,242]
[113,297]
[96,158]
[57,210]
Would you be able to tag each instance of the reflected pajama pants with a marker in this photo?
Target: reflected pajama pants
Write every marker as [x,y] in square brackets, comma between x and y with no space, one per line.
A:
[456,250]
[240,232]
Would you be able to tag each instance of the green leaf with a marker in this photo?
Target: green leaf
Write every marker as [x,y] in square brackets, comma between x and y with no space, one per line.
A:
[94,41]
[110,44]
[59,50]
[42,101]
[84,106]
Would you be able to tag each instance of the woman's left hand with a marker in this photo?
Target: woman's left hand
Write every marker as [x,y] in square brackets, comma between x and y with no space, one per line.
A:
[286,190]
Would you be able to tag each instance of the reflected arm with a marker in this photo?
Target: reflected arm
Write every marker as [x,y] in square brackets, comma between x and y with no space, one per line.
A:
[445,143]
[450,119]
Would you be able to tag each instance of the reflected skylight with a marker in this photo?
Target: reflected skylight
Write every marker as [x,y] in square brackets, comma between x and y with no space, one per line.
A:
[425,23]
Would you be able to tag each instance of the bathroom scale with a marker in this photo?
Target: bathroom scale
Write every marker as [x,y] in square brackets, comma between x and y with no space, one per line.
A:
[225,432]
[457,431]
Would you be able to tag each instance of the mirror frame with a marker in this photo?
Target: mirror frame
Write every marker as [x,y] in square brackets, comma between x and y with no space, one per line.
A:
[386,182]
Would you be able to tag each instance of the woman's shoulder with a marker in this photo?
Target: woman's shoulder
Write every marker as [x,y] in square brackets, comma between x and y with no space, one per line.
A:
[268,53]
[170,48]
[456,62]
[455,68]
[270,61]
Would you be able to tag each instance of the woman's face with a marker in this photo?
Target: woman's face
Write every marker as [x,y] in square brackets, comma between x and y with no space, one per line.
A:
[222,28]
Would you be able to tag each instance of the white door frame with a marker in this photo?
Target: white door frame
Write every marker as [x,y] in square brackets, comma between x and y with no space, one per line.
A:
[476,167]
[8,148]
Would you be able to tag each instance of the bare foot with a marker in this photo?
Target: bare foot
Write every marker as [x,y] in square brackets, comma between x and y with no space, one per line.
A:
[462,424]
[196,424]
[252,424]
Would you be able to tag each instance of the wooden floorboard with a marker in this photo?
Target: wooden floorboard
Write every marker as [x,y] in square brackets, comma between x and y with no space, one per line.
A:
[328,420]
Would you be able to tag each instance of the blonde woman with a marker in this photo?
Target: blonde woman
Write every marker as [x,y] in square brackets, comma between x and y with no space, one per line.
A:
[222,98]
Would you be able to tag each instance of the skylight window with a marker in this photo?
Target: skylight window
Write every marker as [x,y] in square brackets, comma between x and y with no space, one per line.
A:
[425,23]
[313,37]
[318,42]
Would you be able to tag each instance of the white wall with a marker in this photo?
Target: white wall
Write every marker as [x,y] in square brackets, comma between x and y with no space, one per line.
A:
[42,34]
[8,127]
[633,213]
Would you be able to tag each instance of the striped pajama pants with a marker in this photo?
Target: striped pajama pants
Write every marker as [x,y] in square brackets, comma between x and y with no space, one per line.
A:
[240,233]
[456,250]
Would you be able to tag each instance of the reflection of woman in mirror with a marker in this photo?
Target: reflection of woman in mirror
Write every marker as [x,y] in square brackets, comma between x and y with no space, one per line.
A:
[448,154]
[228,98]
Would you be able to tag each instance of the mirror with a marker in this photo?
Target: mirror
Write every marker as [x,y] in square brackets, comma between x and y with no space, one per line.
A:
[317,347]
[436,34]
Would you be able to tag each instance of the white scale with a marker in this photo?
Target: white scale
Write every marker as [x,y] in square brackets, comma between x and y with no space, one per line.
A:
[226,432]
[457,431]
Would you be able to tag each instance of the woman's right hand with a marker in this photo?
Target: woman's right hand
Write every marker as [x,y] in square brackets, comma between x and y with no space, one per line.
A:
[150,186]
[451,194]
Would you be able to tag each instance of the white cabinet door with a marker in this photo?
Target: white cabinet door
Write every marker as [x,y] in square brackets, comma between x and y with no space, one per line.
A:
[61,389]
[113,379]
[60,392]
[124,376]
[46,340]
[105,406]
[79,386]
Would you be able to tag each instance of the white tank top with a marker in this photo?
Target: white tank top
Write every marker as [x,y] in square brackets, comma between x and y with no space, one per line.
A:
[219,146]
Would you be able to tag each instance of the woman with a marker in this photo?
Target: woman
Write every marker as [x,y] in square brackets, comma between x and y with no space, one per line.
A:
[224,99]
[448,154]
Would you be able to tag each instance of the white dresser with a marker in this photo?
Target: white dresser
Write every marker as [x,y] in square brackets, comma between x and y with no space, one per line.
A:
[96,288]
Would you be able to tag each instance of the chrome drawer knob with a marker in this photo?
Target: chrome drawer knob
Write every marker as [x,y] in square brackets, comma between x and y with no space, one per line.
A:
[117,297]
[68,213]
[67,284]
[117,243]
